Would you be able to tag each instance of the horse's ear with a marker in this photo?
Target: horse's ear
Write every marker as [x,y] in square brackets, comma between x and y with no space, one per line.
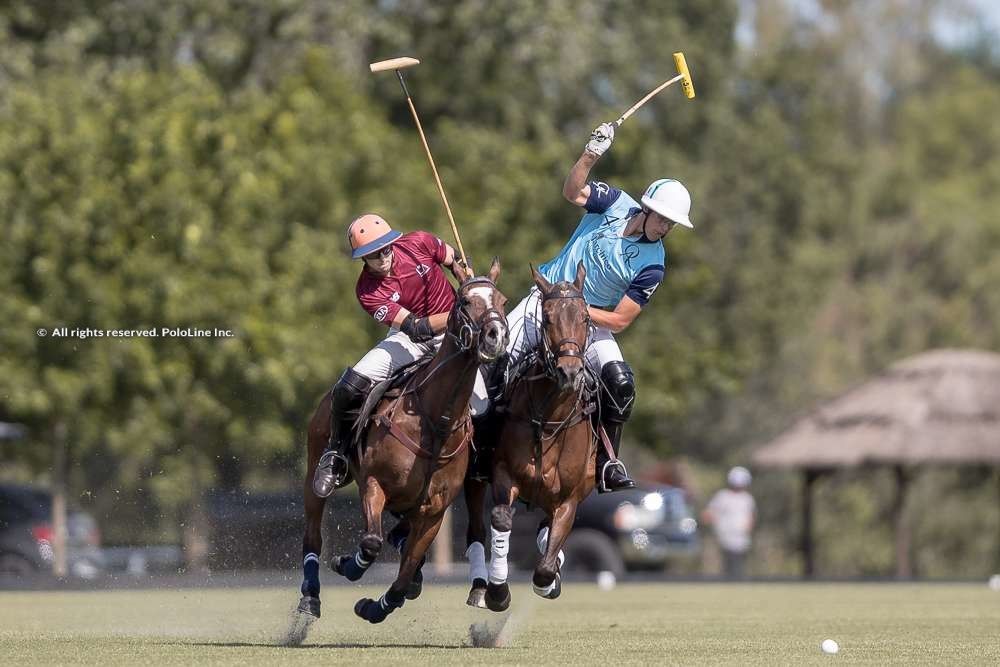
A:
[494,270]
[540,280]
[581,274]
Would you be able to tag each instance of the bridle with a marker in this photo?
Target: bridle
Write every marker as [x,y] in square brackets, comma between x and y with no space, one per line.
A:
[468,331]
[567,347]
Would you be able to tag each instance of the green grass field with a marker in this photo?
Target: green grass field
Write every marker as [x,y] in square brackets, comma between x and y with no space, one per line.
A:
[682,624]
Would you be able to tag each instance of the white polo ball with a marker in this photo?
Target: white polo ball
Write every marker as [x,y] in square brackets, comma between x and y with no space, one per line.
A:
[829,646]
[994,582]
[606,580]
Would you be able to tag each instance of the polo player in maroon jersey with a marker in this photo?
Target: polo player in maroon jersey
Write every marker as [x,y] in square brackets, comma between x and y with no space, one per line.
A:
[403,287]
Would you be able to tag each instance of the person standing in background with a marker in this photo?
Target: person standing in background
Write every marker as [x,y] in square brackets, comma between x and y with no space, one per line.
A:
[732,512]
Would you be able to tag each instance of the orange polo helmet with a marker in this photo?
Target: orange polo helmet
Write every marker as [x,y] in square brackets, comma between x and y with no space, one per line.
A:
[369,233]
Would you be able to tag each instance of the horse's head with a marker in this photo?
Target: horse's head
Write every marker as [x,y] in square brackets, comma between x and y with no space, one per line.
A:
[478,320]
[565,328]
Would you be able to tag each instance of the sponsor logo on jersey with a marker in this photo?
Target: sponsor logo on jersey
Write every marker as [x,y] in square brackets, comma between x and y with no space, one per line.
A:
[395,296]
[422,269]
[381,313]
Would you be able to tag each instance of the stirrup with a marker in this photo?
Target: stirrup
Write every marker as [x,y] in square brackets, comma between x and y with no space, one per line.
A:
[331,473]
[602,486]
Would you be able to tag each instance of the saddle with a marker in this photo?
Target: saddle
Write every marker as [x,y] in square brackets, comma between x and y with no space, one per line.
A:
[391,387]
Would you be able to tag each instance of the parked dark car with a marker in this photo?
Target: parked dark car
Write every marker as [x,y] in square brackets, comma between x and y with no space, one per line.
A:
[643,528]
[264,530]
[26,534]
[637,529]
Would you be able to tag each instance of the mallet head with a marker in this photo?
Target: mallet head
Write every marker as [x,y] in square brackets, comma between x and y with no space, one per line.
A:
[682,69]
[393,63]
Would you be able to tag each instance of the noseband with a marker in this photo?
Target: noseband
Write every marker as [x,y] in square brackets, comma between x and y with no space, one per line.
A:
[567,347]
[467,336]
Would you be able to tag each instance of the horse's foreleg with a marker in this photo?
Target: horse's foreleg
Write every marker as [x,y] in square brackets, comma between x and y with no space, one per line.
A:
[312,547]
[501,521]
[312,540]
[397,538]
[475,540]
[547,579]
[353,566]
[423,531]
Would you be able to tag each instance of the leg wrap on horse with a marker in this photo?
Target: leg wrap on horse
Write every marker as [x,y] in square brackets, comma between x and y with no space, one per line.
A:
[376,611]
[476,553]
[501,520]
[354,567]
[310,572]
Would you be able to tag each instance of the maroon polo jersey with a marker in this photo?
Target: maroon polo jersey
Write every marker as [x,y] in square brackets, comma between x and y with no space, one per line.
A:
[415,282]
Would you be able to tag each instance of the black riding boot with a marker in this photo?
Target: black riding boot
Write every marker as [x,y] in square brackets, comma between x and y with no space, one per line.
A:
[347,395]
[617,399]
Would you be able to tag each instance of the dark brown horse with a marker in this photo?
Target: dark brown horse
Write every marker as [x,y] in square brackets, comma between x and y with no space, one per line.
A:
[545,454]
[416,452]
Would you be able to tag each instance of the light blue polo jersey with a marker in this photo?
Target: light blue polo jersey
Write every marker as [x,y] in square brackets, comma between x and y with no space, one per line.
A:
[616,266]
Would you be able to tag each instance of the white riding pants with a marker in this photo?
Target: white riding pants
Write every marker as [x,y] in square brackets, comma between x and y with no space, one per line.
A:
[397,351]
[525,326]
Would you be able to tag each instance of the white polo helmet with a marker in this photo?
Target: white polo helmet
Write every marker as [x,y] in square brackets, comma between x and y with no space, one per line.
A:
[739,477]
[670,199]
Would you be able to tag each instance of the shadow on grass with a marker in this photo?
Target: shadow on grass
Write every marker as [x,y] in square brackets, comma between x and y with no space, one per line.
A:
[339,645]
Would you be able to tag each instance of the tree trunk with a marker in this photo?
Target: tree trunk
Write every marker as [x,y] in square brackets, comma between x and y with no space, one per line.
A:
[60,565]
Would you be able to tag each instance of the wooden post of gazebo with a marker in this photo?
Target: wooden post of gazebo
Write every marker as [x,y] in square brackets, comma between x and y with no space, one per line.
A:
[904,568]
[810,475]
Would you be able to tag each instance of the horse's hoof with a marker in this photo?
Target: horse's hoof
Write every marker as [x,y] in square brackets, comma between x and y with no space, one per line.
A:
[550,592]
[497,596]
[416,586]
[477,594]
[370,610]
[309,605]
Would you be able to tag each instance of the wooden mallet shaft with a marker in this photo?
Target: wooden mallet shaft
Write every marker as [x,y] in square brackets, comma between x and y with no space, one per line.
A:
[684,76]
[398,64]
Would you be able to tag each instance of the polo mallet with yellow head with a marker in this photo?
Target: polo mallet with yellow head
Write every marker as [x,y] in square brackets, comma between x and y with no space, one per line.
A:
[399,64]
[683,75]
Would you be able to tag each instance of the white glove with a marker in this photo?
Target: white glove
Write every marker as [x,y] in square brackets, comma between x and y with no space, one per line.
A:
[601,138]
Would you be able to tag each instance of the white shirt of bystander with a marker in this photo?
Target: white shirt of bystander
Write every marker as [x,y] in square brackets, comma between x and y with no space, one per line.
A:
[732,517]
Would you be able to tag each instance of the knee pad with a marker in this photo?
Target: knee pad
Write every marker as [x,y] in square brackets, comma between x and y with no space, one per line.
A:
[351,387]
[617,392]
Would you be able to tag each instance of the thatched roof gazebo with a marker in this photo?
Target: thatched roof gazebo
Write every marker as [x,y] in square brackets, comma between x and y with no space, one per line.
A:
[940,407]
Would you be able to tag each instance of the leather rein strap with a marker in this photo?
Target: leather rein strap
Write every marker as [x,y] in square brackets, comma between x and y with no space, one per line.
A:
[399,434]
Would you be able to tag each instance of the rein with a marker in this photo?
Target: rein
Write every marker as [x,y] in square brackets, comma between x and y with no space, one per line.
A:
[466,339]
[547,359]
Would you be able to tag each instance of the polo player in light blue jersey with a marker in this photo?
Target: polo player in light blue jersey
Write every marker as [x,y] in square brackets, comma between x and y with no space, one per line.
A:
[620,243]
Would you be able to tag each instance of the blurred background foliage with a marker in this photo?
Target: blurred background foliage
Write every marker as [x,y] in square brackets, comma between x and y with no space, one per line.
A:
[194,164]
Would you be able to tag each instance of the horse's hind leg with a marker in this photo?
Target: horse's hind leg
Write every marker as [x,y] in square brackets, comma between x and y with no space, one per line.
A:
[353,566]
[423,531]
[547,579]
[475,539]
[312,540]
[501,520]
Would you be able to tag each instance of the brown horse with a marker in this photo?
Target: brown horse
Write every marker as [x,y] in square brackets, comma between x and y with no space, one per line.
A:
[416,453]
[546,449]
